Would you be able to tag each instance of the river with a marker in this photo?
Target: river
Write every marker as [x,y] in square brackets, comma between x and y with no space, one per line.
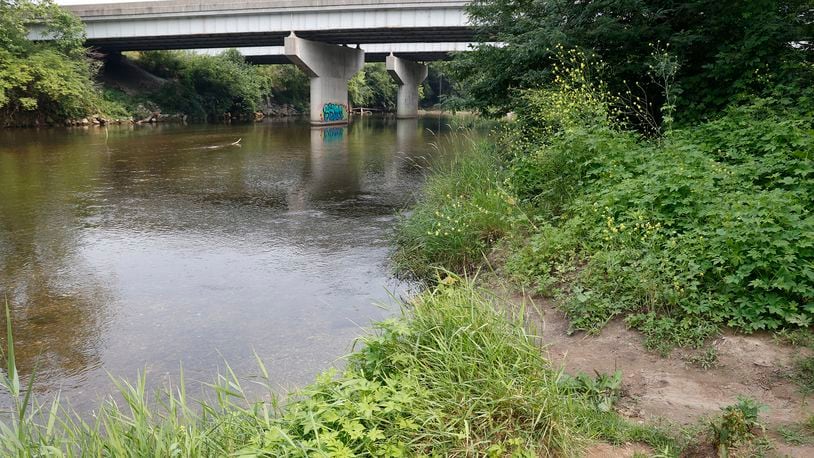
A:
[150,247]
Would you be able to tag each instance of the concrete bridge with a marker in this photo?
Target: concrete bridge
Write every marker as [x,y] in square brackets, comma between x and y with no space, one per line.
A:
[322,37]
[374,52]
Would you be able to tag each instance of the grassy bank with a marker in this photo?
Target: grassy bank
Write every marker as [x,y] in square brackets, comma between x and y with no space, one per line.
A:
[453,376]
[704,227]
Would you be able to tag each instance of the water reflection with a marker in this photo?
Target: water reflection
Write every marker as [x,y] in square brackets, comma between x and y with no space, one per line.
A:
[142,247]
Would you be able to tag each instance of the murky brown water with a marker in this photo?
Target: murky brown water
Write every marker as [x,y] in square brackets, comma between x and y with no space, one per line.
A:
[145,248]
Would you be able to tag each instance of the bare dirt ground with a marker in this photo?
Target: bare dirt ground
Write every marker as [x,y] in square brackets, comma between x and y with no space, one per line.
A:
[672,391]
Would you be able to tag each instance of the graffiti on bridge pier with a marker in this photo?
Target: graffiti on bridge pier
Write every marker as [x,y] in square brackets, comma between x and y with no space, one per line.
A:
[333,134]
[332,112]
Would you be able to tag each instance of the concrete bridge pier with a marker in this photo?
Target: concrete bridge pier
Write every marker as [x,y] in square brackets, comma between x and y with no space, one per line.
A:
[408,75]
[330,68]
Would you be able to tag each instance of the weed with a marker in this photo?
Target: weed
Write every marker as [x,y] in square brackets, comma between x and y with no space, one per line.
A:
[663,333]
[796,434]
[603,390]
[545,257]
[736,425]
[454,376]
[705,360]
[800,337]
[462,213]
[705,228]
[803,373]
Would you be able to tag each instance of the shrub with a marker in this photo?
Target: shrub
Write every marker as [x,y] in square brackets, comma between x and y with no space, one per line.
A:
[709,225]
[547,257]
[372,87]
[289,85]
[704,227]
[205,87]
[45,80]
[736,425]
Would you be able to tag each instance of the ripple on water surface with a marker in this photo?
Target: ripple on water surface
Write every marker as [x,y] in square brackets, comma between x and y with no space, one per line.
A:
[146,249]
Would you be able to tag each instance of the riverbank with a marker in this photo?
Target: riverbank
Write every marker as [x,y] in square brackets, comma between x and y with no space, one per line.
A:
[166,320]
[464,371]
[660,257]
[453,376]
[686,389]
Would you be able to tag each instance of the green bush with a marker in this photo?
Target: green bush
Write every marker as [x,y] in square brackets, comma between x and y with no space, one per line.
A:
[736,425]
[120,105]
[704,227]
[43,81]
[289,85]
[712,223]
[206,87]
[547,257]
[456,378]
[372,87]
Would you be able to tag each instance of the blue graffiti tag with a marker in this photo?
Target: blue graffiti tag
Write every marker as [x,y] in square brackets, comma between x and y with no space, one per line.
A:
[334,112]
[332,134]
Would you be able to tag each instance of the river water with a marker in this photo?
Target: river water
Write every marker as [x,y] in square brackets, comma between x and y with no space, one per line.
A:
[151,247]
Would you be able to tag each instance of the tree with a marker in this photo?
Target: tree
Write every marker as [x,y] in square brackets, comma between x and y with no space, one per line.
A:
[43,79]
[372,87]
[205,86]
[724,47]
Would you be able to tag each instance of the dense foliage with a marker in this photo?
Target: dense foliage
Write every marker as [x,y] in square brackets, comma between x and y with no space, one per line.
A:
[207,87]
[41,81]
[372,87]
[708,226]
[724,49]
[453,377]
[289,86]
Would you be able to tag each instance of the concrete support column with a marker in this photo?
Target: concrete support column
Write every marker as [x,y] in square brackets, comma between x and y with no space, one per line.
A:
[330,68]
[408,75]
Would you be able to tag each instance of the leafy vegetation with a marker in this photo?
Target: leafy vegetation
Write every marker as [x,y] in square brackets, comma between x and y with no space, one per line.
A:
[288,86]
[206,87]
[372,87]
[603,390]
[705,360]
[464,211]
[803,373]
[453,377]
[42,81]
[704,227]
[797,434]
[801,337]
[726,50]
[736,425]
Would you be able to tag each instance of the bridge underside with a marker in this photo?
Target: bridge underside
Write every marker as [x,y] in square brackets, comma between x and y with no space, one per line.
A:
[374,52]
[428,56]
[311,32]
[236,40]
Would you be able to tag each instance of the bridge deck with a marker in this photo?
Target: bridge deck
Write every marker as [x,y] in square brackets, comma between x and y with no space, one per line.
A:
[190,24]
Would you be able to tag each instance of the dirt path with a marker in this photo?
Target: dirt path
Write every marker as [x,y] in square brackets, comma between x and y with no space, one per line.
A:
[671,389]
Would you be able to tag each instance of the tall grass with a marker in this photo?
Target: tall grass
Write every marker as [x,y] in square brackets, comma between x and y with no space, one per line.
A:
[138,425]
[453,376]
[463,209]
